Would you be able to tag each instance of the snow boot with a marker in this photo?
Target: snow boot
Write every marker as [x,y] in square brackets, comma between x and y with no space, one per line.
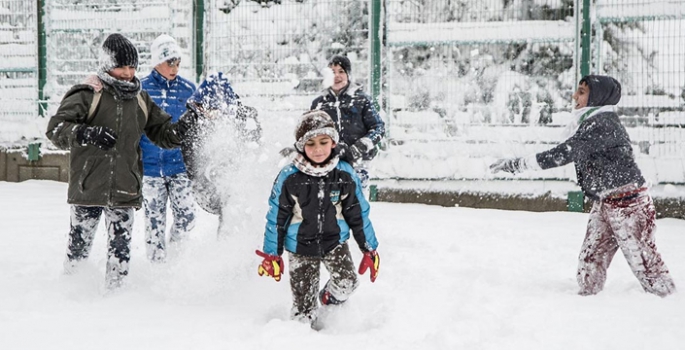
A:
[326,298]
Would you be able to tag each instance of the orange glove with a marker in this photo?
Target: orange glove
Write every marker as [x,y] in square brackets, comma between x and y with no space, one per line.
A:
[371,260]
[272,265]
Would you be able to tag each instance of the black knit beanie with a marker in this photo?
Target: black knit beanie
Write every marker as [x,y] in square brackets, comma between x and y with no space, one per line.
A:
[117,51]
[343,62]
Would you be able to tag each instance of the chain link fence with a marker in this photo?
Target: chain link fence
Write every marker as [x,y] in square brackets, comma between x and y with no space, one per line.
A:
[463,82]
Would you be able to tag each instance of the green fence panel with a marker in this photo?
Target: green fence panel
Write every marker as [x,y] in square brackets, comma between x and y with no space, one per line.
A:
[76,31]
[18,60]
[462,82]
[642,43]
[278,51]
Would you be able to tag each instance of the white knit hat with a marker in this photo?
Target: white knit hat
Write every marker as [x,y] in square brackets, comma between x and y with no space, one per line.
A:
[164,48]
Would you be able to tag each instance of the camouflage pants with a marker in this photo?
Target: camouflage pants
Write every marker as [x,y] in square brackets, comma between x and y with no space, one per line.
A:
[177,190]
[628,225]
[305,279]
[84,223]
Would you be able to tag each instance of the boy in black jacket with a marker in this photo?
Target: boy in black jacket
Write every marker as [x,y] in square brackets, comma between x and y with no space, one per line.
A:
[360,127]
[623,213]
[315,202]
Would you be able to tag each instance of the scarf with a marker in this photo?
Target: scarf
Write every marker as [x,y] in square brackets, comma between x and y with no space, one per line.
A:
[305,166]
[582,114]
[124,90]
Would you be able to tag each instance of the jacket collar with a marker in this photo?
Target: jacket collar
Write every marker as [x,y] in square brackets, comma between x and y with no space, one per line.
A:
[161,80]
[349,90]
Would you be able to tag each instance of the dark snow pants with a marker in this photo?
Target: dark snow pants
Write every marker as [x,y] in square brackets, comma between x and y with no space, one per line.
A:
[629,225]
[84,223]
[305,277]
[177,190]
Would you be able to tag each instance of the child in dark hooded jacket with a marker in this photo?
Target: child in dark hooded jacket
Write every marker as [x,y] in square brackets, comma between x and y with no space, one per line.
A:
[316,204]
[623,213]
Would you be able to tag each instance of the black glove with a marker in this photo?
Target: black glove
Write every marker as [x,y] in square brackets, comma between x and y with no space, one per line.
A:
[185,123]
[364,145]
[99,136]
[512,165]
[347,153]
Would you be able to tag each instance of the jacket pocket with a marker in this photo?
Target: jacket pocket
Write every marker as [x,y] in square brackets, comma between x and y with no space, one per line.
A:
[87,173]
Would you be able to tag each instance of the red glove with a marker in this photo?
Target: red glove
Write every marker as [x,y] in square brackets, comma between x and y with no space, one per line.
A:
[272,265]
[371,260]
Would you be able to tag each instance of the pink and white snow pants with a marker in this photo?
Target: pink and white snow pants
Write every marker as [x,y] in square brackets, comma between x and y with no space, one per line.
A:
[629,225]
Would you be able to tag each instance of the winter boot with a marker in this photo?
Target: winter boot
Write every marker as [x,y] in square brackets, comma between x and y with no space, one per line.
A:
[326,298]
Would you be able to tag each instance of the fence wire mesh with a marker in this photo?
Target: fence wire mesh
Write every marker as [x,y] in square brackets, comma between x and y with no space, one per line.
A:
[278,50]
[480,78]
[18,59]
[76,30]
[642,43]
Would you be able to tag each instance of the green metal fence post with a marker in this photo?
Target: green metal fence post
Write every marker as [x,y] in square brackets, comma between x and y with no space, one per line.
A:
[375,43]
[373,193]
[585,36]
[42,59]
[33,151]
[575,201]
[198,37]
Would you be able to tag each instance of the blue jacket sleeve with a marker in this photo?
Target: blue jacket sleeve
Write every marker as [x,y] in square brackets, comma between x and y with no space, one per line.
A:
[279,214]
[355,210]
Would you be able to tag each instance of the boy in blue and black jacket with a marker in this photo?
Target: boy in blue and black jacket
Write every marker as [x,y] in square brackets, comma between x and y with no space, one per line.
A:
[315,203]
[623,214]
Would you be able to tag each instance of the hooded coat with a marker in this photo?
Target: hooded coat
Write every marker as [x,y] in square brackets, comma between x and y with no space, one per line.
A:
[600,149]
[111,178]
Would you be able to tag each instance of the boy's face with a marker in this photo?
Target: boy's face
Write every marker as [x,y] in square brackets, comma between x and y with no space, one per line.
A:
[169,69]
[340,78]
[581,96]
[125,73]
[319,148]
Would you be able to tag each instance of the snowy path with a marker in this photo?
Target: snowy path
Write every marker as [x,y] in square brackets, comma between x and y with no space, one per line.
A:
[451,278]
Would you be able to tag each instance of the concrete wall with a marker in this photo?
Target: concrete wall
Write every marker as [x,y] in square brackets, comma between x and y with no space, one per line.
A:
[665,207]
[15,166]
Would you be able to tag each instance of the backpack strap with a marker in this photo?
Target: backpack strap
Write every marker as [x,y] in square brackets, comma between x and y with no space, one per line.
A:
[96,101]
[94,105]
[143,106]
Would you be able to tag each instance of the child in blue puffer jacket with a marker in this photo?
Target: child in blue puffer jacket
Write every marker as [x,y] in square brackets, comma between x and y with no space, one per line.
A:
[316,204]
[165,178]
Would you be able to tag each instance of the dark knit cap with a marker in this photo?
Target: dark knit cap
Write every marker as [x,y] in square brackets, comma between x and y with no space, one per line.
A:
[312,124]
[343,62]
[117,51]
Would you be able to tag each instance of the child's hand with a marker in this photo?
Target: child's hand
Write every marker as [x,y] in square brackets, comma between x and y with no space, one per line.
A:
[272,265]
[512,165]
[371,260]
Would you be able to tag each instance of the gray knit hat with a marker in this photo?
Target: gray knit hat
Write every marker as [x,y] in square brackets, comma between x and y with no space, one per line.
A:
[117,51]
[312,124]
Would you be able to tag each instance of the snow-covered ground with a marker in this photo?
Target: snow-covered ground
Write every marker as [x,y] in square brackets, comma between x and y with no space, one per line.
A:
[451,278]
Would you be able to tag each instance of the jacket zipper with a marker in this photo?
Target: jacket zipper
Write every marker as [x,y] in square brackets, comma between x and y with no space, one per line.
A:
[320,217]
